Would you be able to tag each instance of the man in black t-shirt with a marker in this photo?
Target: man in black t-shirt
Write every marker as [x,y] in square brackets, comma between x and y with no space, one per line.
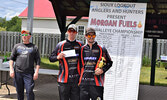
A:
[24,55]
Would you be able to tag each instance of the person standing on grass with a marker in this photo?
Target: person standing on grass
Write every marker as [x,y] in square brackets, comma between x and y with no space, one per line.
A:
[69,69]
[24,55]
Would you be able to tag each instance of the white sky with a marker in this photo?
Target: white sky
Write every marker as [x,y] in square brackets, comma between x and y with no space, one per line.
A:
[11,8]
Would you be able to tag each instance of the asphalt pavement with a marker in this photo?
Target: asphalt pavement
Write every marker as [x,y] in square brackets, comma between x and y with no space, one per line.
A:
[46,89]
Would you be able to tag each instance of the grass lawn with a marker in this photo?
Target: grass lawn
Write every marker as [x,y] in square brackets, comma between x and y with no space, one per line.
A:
[160,73]
[45,63]
[160,76]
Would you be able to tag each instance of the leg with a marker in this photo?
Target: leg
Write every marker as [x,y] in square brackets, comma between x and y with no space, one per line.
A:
[19,83]
[96,92]
[84,93]
[29,86]
[64,91]
[75,92]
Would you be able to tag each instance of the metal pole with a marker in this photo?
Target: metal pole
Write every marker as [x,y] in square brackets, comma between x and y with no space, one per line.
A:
[153,61]
[30,16]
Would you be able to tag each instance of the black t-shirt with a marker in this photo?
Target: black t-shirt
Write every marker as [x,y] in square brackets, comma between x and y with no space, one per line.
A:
[25,55]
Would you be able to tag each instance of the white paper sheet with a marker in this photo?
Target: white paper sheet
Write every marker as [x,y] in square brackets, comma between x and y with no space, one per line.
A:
[69,53]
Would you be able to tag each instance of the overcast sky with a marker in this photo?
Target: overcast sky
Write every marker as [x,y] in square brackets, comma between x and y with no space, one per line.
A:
[11,8]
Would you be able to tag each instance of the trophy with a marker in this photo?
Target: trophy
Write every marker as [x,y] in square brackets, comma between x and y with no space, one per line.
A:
[102,63]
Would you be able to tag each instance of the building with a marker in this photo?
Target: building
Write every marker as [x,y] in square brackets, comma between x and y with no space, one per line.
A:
[45,21]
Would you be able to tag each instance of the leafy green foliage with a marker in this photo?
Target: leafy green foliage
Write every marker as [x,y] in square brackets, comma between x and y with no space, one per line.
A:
[12,25]
[2,29]
[162,64]
[146,61]
[3,22]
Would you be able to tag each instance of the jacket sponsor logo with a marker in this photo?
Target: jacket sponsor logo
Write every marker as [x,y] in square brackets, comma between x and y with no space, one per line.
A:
[90,63]
[67,48]
[74,76]
[86,51]
[95,51]
[88,79]
[89,71]
[90,58]
[72,60]
[76,47]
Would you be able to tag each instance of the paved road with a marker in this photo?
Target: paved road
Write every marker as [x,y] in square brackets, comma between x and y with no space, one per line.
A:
[46,89]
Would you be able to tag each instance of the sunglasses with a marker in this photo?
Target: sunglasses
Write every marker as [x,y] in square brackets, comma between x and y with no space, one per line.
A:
[89,36]
[25,34]
[71,30]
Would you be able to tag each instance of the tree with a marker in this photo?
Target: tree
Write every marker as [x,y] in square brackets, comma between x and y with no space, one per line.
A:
[3,22]
[2,29]
[14,24]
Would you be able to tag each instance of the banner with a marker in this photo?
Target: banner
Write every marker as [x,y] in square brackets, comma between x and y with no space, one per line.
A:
[120,28]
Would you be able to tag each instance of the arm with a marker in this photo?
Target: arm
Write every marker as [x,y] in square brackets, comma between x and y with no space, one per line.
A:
[109,62]
[36,72]
[55,55]
[11,62]
[11,68]
[37,61]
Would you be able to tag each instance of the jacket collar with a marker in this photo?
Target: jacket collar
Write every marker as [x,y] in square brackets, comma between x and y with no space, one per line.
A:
[71,41]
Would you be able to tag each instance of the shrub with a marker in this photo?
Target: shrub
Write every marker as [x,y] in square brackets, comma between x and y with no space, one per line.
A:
[146,61]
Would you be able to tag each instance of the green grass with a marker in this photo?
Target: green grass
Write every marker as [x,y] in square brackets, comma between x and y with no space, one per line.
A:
[145,75]
[160,76]
[45,63]
[160,72]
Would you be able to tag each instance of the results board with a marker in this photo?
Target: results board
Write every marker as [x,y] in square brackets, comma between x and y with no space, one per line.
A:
[120,28]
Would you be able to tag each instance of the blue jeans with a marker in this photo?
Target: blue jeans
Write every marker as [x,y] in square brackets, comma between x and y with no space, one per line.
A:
[22,80]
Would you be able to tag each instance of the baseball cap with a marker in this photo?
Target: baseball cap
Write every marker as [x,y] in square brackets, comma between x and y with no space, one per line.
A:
[73,26]
[25,32]
[90,30]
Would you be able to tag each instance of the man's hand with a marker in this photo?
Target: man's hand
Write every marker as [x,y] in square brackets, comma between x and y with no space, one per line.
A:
[11,73]
[35,76]
[98,71]
[60,56]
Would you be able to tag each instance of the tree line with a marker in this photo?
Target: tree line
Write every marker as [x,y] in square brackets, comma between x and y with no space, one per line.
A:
[10,25]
